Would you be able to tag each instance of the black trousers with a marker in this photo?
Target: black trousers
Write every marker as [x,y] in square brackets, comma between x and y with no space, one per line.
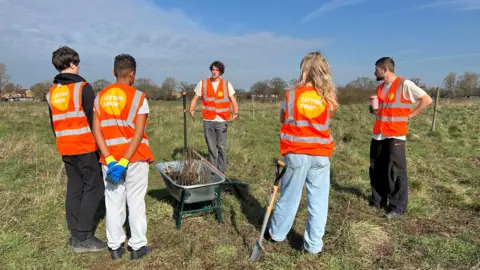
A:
[388,174]
[85,190]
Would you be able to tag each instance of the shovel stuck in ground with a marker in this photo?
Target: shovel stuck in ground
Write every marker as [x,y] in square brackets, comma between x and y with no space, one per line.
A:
[258,249]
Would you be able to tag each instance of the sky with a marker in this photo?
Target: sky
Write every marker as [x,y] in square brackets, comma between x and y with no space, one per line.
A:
[256,40]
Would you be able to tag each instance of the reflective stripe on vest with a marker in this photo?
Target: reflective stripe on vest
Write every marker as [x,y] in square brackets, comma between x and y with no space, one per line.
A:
[292,138]
[69,132]
[76,103]
[122,140]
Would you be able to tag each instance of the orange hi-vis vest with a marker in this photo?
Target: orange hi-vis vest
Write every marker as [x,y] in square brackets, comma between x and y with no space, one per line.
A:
[306,126]
[72,131]
[215,103]
[116,107]
[393,111]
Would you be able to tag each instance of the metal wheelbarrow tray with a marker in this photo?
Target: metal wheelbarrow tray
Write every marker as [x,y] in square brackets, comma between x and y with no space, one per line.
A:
[188,194]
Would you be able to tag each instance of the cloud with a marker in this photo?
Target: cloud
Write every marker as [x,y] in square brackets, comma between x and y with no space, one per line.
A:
[164,42]
[331,6]
[446,57]
[464,5]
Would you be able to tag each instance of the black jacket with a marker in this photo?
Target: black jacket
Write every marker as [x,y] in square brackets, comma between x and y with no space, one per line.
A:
[88,96]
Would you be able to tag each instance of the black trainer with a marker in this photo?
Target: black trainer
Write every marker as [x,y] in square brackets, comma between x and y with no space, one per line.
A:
[267,237]
[392,215]
[314,255]
[91,244]
[72,241]
[137,254]
[117,253]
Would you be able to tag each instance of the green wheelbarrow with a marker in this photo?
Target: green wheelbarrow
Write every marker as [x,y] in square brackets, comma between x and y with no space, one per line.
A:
[208,191]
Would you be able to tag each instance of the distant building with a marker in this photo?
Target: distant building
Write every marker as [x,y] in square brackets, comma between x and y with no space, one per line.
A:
[17,95]
[177,95]
[475,94]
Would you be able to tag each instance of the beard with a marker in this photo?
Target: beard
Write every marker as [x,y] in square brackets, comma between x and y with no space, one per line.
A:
[379,77]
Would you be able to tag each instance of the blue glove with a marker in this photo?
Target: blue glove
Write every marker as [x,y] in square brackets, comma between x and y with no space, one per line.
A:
[117,171]
[110,161]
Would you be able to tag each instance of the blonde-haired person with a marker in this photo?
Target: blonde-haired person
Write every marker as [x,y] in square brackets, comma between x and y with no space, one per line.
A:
[306,144]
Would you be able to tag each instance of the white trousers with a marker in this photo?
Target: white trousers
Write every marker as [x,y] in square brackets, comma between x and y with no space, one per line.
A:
[130,191]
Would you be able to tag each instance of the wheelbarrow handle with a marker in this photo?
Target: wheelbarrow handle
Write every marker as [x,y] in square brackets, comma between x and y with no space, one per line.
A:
[226,183]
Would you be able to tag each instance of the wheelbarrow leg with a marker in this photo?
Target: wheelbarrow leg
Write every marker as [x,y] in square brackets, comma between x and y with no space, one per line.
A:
[180,210]
[219,205]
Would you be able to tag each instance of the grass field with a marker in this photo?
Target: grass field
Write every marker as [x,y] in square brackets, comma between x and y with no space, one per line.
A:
[439,231]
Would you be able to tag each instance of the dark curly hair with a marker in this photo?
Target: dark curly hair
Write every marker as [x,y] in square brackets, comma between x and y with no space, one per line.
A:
[218,65]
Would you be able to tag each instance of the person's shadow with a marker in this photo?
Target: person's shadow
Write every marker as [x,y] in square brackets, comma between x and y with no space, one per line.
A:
[255,213]
[346,189]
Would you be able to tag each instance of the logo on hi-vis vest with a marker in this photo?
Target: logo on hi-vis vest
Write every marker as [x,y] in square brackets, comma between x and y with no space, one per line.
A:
[220,94]
[391,96]
[310,104]
[61,97]
[113,101]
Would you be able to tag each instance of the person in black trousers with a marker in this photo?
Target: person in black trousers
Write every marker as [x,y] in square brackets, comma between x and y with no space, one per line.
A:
[388,162]
[70,107]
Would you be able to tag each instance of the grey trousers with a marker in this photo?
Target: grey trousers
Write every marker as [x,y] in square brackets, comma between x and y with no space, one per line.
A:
[216,137]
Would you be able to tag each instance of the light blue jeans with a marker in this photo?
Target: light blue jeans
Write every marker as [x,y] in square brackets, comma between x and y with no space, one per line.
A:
[314,171]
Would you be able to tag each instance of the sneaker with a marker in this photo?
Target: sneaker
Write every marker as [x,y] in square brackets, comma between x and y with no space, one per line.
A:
[305,252]
[72,241]
[92,244]
[376,207]
[137,254]
[267,237]
[392,215]
[117,253]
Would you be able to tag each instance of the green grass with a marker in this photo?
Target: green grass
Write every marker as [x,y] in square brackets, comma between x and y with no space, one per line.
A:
[439,231]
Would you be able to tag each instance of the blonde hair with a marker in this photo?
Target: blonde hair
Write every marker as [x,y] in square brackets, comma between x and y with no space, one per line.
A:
[315,69]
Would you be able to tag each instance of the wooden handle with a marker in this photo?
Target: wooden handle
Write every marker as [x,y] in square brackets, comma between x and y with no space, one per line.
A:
[272,199]
[281,163]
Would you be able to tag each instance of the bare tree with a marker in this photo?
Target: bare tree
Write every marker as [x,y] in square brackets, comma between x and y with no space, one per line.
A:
[169,85]
[187,87]
[41,89]
[10,87]
[450,83]
[363,83]
[98,85]
[260,88]
[277,86]
[148,87]
[468,82]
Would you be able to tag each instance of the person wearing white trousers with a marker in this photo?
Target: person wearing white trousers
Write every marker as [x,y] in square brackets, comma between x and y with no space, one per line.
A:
[129,191]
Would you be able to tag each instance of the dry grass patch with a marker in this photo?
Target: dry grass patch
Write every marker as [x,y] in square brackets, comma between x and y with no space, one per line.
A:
[372,240]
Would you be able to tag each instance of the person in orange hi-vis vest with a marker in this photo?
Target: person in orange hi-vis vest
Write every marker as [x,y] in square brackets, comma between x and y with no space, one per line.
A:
[388,164]
[306,144]
[119,125]
[216,94]
[70,104]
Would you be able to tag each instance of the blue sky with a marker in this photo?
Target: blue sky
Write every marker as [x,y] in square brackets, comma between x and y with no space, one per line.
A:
[256,40]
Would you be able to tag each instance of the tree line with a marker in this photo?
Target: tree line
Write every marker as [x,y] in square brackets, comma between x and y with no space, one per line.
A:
[359,90]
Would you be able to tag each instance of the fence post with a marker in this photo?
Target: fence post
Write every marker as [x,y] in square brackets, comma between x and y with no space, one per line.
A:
[437,97]
[253,108]
[184,96]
